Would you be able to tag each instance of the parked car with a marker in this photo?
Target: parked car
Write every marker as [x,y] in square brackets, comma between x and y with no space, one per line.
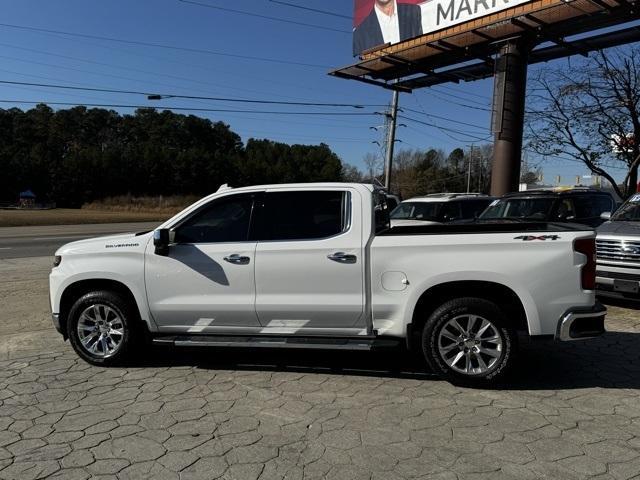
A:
[566,205]
[439,208]
[318,266]
[618,252]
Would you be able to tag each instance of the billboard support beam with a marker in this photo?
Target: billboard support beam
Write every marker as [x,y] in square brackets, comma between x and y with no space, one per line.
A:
[508,116]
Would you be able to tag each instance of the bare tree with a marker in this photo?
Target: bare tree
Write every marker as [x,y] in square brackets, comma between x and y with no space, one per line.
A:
[352,174]
[591,113]
[373,164]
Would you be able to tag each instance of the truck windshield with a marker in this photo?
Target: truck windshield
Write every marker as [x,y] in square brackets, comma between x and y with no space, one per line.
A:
[629,212]
[417,211]
[519,208]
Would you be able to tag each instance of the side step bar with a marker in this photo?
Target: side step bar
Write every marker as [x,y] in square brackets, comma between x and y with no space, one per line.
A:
[319,343]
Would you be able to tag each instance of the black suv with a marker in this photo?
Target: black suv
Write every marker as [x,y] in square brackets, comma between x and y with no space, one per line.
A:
[566,205]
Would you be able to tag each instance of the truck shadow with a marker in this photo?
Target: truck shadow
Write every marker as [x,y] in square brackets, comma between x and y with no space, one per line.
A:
[612,361]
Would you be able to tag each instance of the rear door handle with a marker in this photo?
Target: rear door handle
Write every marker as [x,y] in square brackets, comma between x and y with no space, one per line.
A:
[342,257]
[237,259]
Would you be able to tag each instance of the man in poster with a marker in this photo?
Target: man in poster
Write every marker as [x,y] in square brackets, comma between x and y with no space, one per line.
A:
[388,22]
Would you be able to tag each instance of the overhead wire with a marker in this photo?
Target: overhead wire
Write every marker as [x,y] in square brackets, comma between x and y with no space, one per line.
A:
[309,9]
[128,69]
[264,17]
[164,46]
[188,109]
[445,130]
[439,117]
[187,97]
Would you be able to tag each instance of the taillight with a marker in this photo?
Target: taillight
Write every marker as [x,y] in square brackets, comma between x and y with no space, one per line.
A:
[587,247]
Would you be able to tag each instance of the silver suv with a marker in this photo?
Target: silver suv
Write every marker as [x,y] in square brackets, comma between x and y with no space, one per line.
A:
[618,252]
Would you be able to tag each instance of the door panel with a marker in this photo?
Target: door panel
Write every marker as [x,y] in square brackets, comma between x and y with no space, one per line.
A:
[195,289]
[298,285]
[207,279]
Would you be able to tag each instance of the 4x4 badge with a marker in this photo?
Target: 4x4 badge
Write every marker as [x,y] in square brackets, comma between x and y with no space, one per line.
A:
[544,238]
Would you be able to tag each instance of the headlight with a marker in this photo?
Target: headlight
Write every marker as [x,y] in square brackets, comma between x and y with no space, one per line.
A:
[57,260]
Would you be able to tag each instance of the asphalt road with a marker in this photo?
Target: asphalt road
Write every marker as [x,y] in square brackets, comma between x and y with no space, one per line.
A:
[25,242]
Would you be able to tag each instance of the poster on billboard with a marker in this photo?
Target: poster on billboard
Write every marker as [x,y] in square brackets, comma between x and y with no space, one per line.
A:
[380,22]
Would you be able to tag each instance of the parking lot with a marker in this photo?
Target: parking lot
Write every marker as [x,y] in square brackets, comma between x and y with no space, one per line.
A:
[573,411]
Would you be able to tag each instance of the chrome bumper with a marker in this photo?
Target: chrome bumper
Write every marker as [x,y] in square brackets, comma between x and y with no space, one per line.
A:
[582,323]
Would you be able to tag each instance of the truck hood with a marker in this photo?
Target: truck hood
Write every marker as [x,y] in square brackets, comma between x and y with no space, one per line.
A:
[111,243]
[619,228]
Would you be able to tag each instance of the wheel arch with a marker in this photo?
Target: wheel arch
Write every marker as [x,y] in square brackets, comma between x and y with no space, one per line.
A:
[507,299]
[81,287]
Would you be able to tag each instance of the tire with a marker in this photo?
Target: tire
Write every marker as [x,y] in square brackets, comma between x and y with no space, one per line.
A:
[93,322]
[469,342]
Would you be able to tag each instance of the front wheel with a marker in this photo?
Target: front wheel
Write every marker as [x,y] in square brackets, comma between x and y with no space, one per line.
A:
[469,341]
[101,328]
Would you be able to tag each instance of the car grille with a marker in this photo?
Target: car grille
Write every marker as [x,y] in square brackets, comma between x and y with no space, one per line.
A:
[618,250]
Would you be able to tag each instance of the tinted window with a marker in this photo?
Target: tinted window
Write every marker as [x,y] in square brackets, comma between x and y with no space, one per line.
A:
[473,208]
[592,206]
[523,208]
[564,210]
[302,215]
[417,211]
[450,211]
[224,220]
[629,212]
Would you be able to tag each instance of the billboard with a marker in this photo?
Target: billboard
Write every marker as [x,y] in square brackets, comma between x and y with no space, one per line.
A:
[380,22]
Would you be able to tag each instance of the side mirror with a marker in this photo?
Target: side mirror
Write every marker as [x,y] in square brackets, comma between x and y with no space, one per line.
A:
[605,215]
[161,241]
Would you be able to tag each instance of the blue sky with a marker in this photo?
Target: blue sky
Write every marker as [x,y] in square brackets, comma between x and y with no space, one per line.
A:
[39,57]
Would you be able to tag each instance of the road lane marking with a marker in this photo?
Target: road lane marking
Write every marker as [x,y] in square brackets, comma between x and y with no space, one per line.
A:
[6,248]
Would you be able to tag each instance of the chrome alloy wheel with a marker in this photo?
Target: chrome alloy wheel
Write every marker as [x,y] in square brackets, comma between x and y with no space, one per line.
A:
[470,344]
[100,330]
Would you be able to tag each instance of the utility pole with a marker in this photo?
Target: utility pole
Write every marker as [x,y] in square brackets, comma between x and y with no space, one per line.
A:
[392,118]
[469,172]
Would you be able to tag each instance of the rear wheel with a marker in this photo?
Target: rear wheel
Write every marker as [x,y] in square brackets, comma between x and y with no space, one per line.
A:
[469,341]
[101,328]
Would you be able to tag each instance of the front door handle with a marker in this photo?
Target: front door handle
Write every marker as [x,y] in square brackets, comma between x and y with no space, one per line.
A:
[342,257]
[237,259]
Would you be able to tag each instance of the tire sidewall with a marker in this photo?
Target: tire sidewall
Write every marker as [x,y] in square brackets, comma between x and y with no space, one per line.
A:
[468,306]
[120,306]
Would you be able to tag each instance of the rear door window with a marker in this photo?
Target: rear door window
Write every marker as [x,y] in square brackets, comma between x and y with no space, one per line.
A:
[304,215]
[450,211]
[473,208]
[592,206]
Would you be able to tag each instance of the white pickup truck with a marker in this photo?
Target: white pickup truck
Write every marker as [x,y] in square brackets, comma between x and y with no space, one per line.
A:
[317,266]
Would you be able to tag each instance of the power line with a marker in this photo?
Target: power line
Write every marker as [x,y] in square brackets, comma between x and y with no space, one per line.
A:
[164,46]
[185,97]
[444,118]
[128,69]
[457,92]
[323,12]
[217,69]
[187,109]
[465,105]
[265,17]
[445,130]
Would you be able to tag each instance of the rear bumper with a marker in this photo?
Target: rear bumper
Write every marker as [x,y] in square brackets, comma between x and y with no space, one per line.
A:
[581,323]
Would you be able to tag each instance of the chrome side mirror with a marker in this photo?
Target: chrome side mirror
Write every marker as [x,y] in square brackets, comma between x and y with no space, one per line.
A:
[161,241]
[605,215]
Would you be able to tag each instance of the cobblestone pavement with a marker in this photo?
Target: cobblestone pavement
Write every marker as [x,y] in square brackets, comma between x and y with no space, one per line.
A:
[572,412]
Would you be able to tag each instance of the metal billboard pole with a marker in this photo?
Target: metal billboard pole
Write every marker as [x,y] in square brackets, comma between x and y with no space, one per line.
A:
[391,140]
